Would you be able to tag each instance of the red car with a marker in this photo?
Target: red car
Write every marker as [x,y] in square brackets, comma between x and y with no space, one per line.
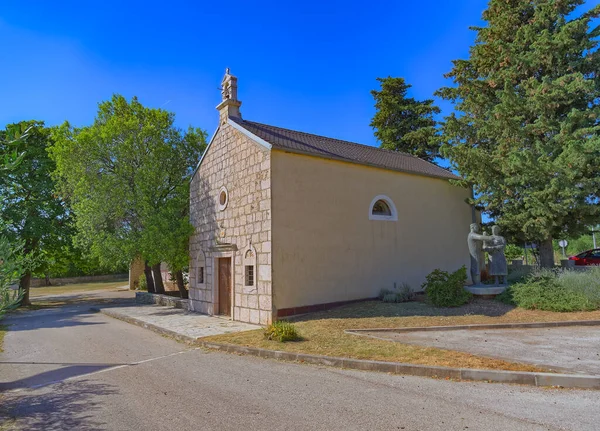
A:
[590,257]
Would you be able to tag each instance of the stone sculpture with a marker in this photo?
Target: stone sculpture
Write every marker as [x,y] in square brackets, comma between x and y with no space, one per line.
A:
[495,249]
[475,241]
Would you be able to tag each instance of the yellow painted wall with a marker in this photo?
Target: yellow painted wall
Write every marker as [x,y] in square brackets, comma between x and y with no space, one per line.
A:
[325,248]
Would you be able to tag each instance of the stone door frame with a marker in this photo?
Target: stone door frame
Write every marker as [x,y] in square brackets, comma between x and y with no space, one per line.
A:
[215,281]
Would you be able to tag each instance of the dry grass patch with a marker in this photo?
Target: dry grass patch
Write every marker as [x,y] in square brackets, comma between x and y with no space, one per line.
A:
[75,288]
[323,332]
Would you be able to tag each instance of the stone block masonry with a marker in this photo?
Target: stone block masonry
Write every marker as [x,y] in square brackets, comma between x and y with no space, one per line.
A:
[239,226]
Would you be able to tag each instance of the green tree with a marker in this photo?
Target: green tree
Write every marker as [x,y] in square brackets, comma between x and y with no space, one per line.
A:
[402,123]
[525,130]
[30,211]
[70,261]
[127,179]
[12,267]
[10,153]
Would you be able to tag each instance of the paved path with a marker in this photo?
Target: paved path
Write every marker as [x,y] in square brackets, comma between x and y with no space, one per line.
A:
[72,369]
[574,349]
[182,322]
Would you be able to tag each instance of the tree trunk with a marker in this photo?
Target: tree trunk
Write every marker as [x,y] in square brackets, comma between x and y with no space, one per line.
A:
[149,278]
[47,275]
[158,283]
[546,253]
[24,284]
[180,285]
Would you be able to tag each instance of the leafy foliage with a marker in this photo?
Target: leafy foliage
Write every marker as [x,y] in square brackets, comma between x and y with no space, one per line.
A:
[402,123]
[526,130]
[31,212]
[513,251]
[10,152]
[447,290]
[562,292]
[70,261]
[518,274]
[578,244]
[127,178]
[281,331]
[12,268]
[143,284]
[402,294]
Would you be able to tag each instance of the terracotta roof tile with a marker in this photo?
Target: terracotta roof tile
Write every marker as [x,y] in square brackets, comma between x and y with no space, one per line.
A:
[330,148]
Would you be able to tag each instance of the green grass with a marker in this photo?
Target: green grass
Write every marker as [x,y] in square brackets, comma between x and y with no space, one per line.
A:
[75,288]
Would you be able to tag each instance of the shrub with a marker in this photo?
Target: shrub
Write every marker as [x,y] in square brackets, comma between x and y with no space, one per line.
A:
[389,297]
[586,282]
[506,297]
[513,251]
[402,294]
[447,290]
[563,291]
[143,285]
[517,274]
[384,292]
[281,331]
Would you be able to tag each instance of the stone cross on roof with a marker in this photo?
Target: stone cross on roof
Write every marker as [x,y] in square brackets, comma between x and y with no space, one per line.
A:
[229,86]
[230,105]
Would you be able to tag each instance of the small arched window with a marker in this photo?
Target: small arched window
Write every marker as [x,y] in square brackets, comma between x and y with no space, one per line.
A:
[200,269]
[250,273]
[382,208]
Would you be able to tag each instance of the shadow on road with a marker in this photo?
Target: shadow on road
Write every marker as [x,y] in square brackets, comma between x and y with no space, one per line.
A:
[56,319]
[72,310]
[69,406]
[55,375]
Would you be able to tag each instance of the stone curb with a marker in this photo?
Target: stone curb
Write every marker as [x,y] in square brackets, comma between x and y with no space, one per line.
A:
[523,378]
[481,326]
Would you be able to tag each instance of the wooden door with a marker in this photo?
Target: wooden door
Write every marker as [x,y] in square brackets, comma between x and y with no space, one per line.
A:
[225,286]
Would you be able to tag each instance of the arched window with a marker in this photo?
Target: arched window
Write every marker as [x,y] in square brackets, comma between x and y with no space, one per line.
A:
[382,208]
[200,269]
[250,273]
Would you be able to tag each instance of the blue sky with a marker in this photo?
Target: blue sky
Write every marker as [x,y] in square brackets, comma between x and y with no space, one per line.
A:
[302,65]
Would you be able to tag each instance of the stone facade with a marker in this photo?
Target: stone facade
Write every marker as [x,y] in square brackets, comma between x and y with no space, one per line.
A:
[239,228]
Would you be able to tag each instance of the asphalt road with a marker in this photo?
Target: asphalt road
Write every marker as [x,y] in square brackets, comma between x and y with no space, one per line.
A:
[71,369]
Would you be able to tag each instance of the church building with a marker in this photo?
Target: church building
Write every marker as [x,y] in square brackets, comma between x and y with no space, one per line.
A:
[288,222]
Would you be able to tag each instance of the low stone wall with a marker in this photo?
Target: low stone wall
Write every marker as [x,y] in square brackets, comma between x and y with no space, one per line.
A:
[154,298]
[40,282]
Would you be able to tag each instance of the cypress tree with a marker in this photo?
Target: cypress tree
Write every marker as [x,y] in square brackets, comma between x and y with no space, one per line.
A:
[403,123]
[525,132]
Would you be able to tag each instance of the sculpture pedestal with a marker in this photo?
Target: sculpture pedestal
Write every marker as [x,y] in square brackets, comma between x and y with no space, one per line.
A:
[486,289]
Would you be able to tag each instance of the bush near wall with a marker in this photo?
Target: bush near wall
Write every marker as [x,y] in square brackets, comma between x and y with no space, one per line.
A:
[402,294]
[560,291]
[447,290]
